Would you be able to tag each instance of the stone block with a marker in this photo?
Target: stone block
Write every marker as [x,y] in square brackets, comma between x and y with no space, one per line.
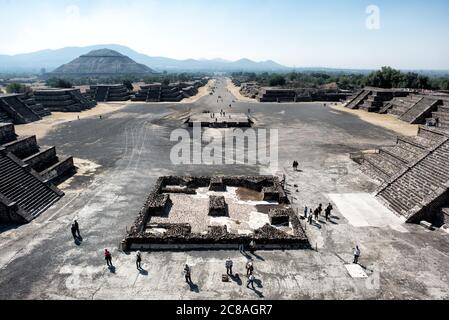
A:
[217,206]
[279,216]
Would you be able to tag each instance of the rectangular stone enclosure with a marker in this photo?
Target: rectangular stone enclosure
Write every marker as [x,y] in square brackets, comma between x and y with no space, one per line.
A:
[217,120]
[190,213]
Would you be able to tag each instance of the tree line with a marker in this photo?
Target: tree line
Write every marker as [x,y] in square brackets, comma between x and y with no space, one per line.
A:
[386,77]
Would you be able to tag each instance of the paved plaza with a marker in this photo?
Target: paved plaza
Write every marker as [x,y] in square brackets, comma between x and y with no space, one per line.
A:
[125,152]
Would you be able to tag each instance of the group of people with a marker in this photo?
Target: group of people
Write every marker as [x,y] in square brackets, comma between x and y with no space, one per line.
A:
[249,271]
[310,214]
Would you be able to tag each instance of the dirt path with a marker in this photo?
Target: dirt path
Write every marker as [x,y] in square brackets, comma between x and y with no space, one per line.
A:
[236,92]
[202,92]
[386,121]
[42,127]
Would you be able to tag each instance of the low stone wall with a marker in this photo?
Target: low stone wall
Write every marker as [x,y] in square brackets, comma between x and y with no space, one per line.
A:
[23,148]
[58,171]
[181,237]
[42,160]
[9,213]
[7,133]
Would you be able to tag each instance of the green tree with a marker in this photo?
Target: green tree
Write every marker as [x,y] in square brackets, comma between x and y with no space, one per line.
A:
[17,88]
[59,83]
[277,80]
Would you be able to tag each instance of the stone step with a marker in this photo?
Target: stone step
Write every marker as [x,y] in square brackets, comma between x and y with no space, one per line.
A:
[18,185]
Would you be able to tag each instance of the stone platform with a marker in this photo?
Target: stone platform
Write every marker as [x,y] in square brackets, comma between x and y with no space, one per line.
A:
[216,220]
[217,120]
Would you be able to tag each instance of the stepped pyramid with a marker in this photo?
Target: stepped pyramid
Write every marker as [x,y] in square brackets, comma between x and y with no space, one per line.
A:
[101,63]
[27,174]
[414,175]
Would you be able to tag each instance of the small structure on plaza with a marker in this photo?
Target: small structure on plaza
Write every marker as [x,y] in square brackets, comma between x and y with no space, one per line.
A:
[27,176]
[108,92]
[374,99]
[220,120]
[201,218]
[173,92]
[20,109]
[63,100]
[420,109]
[272,94]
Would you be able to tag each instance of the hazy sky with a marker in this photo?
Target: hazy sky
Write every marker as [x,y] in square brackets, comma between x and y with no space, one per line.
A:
[330,33]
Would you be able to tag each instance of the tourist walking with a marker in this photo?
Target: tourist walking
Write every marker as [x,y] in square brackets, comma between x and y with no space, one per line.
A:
[228,265]
[73,229]
[310,218]
[328,211]
[320,209]
[251,282]
[316,213]
[249,268]
[241,248]
[187,274]
[77,228]
[108,257]
[295,165]
[139,260]
[356,255]
[306,210]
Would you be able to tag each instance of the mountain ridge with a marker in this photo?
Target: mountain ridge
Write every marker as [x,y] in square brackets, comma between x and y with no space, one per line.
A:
[50,59]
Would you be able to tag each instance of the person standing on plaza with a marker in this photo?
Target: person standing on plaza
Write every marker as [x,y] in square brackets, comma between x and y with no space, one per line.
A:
[251,282]
[249,268]
[108,257]
[187,274]
[328,211]
[139,260]
[228,265]
[77,228]
[356,255]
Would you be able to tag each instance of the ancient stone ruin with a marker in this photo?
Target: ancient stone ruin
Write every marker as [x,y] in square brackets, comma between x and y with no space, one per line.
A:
[414,174]
[420,109]
[217,120]
[199,213]
[374,99]
[108,92]
[27,176]
[63,100]
[174,92]
[20,109]
[268,94]
[100,64]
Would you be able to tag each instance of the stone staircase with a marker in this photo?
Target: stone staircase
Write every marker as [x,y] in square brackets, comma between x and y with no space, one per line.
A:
[400,105]
[419,111]
[44,161]
[16,110]
[415,191]
[23,191]
[441,116]
[63,100]
[358,99]
[38,108]
[101,94]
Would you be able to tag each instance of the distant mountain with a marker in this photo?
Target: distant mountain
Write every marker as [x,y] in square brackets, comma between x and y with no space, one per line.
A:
[52,59]
[102,62]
